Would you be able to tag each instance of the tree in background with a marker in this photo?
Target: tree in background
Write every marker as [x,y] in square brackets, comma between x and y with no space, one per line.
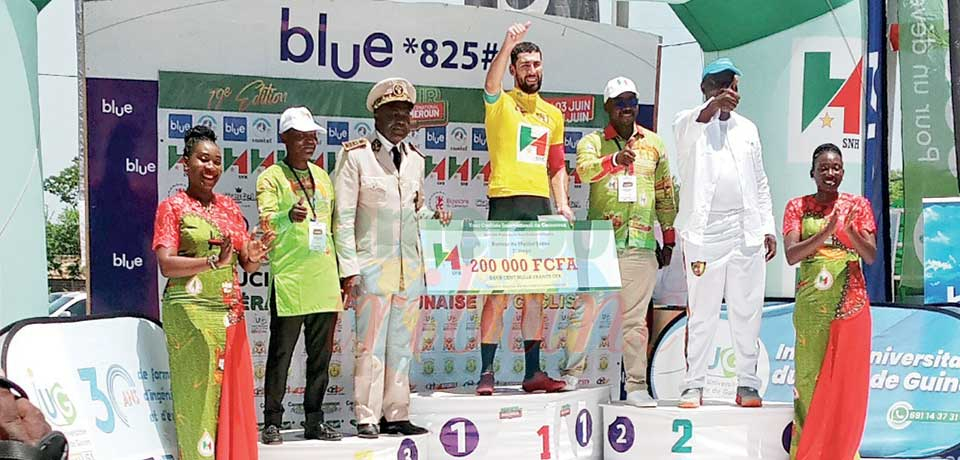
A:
[896,189]
[63,230]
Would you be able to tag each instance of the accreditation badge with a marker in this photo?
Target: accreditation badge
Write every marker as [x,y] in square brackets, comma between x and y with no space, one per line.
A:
[627,189]
[317,236]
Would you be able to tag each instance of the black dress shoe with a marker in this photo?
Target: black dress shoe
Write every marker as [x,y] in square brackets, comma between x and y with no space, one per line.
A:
[403,427]
[321,431]
[367,431]
[271,435]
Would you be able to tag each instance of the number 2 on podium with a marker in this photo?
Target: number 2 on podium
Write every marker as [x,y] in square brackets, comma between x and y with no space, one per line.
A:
[685,427]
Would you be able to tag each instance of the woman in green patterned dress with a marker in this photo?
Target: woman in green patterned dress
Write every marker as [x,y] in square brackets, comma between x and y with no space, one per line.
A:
[199,236]
[829,233]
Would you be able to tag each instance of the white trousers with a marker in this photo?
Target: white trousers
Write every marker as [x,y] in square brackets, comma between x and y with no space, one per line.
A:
[723,267]
[385,327]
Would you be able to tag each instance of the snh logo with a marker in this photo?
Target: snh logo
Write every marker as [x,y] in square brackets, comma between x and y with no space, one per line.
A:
[825,98]
[443,168]
[572,170]
[326,161]
[442,256]
[249,160]
[174,157]
[532,143]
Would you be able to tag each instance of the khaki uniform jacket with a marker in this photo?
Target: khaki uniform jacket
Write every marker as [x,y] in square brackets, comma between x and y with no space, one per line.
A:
[376,226]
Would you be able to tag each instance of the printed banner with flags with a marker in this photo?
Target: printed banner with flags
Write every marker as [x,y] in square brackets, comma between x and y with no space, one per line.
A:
[929,156]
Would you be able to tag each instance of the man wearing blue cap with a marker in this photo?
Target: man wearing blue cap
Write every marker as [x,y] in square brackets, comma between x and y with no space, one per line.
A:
[726,227]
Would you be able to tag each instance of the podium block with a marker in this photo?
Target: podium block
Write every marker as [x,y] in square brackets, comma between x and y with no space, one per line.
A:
[512,424]
[295,447]
[715,431]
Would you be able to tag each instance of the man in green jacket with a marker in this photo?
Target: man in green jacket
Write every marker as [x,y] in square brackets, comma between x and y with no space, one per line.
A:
[295,199]
[631,186]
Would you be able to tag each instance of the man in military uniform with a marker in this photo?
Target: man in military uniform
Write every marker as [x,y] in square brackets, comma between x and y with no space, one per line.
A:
[379,196]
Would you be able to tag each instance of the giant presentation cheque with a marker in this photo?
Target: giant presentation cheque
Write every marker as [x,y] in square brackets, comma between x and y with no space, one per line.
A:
[481,257]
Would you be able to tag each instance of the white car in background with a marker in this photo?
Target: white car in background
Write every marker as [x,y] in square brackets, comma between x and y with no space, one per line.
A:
[68,304]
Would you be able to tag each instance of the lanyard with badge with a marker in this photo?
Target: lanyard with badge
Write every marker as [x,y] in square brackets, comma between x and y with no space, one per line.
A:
[626,183]
[317,231]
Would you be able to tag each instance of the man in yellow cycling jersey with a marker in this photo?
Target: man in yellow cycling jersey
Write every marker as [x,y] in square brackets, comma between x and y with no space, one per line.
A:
[525,140]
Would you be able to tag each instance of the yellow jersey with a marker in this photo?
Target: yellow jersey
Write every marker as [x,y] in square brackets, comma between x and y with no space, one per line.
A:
[525,139]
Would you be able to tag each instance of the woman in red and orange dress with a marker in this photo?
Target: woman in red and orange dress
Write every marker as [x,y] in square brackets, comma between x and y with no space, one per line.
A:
[829,233]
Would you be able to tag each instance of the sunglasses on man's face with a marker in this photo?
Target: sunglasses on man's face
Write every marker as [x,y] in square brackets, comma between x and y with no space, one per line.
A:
[625,103]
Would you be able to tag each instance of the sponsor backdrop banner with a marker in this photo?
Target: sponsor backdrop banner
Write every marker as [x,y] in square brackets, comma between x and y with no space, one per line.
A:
[914,410]
[929,156]
[941,276]
[261,58]
[457,171]
[111,398]
[122,200]
[803,87]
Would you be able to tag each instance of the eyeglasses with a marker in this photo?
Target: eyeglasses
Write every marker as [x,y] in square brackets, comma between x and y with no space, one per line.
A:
[298,136]
[628,103]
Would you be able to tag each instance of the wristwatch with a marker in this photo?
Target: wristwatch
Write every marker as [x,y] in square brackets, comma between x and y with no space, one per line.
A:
[212,262]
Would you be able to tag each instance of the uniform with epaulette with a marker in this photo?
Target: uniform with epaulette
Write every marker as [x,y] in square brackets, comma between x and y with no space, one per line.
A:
[379,197]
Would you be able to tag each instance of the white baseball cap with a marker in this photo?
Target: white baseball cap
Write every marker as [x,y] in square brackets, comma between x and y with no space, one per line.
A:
[618,86]
[300,119]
